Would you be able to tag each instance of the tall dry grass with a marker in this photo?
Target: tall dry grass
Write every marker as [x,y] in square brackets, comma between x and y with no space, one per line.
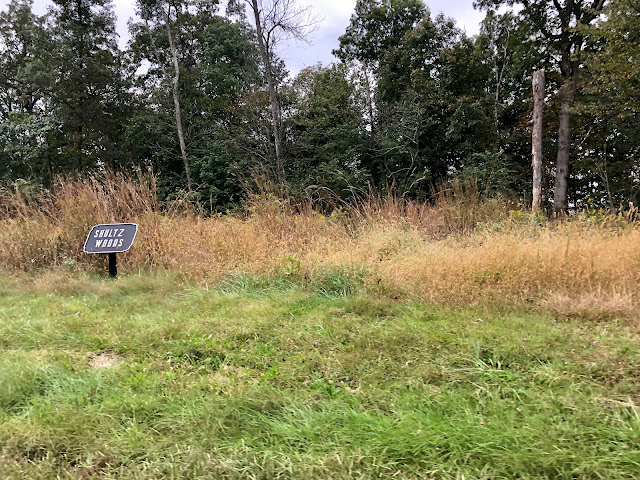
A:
[461,249]
[48,228]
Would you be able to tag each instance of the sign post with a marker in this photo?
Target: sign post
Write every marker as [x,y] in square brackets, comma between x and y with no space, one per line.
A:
[113,265]
[111,239]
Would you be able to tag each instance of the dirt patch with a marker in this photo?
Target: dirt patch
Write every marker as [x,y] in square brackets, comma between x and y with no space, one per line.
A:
[97,467]
[103,360]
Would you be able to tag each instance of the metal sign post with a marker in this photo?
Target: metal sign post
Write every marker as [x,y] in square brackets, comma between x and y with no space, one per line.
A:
[111,239]
[113,265]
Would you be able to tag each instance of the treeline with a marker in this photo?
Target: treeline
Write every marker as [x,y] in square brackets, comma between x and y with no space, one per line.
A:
[201,97]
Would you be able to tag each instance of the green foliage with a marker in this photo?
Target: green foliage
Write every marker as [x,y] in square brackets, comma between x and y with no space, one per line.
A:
[218,68]
[494,173]
[25,129]
[326,132]
[610,107]
[340,281]
[414,101]
[23,146]
[432,106]
[87,90]
[377,27]
[615,70]
[22,44]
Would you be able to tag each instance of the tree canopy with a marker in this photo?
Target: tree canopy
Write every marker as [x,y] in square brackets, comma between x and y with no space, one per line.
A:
[200,96]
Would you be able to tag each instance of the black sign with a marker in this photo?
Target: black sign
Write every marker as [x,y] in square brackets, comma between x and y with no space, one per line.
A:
[113,238]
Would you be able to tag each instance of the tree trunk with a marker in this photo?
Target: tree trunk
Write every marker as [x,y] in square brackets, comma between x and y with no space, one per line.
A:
[50,166]
[176,104]
[567,97]
[538,108]
[276,115]
[367,85]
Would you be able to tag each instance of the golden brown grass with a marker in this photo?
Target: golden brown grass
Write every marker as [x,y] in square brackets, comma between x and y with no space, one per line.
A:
[462,249]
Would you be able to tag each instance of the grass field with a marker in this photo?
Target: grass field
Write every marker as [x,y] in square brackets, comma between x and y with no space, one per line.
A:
[152,377]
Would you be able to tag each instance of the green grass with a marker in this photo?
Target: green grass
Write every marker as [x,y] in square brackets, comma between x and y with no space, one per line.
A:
[268,380]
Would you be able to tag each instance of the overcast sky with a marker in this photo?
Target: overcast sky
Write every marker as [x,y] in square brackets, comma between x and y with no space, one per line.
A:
[335,16]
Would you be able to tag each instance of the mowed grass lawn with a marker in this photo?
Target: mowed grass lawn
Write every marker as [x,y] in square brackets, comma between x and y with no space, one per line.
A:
[149,377]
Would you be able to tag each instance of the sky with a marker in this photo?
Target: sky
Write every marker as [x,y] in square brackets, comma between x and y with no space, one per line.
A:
[334,15]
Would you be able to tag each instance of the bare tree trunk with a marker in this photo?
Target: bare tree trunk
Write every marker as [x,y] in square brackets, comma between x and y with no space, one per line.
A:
[538,108]
[367,85]
[602,171]
[567,97]
[49,165]
[176,103]
[276,115]
[499,75]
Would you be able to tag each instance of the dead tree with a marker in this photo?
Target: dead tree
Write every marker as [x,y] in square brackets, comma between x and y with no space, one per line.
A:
[277,21]
[538,108]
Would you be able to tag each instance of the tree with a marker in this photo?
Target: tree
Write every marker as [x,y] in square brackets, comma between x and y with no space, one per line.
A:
[326,132]
[218,77]
[615,68]
[431,102]
[555,23]
[21,40]
[538,99]
[86,88]
[511,52]
[276,21]
[24,124]
[160,17]
[377,27]
[231,139]
[612,102]
[498,40]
